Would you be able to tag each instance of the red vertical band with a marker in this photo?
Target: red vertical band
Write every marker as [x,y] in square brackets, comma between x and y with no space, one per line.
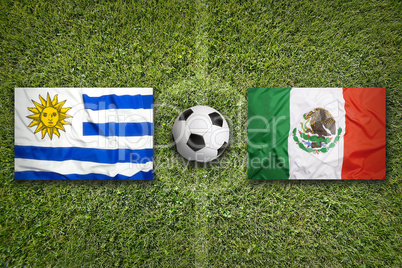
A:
[364,144]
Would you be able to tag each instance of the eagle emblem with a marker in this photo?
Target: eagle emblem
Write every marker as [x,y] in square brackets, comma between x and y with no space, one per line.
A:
[318,132]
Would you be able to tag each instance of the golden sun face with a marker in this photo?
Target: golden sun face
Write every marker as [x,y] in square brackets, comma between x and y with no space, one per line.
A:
[49,116]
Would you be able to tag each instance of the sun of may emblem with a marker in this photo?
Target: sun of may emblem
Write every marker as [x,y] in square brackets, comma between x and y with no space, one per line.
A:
[48,116]
[317,133]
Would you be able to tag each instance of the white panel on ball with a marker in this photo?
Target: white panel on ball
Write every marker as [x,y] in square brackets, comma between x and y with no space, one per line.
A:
[206,155]
[199,123]
[185,151]
[216,136]
[180,130]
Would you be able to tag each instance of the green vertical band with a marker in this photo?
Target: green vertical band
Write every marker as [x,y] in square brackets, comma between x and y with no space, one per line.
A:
[268,131]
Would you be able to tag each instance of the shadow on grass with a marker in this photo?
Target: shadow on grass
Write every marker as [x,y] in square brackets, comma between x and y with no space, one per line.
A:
[336,183]
[87,183]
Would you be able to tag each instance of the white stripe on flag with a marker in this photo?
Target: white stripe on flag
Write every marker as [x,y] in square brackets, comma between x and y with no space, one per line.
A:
[120,115]
[73,136]
[94,92]
[303,165]
[81,167]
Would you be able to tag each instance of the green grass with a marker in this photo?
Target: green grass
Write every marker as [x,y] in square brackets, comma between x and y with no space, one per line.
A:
[210,53]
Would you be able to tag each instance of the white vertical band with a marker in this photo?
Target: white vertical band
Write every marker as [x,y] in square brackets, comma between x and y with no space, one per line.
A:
[305,165]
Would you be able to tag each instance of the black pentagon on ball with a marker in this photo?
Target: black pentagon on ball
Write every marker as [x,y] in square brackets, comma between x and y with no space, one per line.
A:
[186,114]
[196,142]
[216,119]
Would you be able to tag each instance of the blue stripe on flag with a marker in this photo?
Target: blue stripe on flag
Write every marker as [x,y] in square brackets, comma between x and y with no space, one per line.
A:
[117,129]
[41,175]
[106,156]
[117,102]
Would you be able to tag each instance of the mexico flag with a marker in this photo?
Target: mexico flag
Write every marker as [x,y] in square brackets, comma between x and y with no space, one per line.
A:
[316,133]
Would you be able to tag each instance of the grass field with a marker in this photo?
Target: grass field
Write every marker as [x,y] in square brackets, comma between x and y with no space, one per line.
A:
[201,53]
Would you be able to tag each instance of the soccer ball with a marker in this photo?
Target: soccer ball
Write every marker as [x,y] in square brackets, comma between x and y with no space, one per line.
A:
[201,134]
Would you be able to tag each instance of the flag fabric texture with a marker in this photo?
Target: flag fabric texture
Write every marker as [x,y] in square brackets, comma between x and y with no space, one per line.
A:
[83,134]
[316,133]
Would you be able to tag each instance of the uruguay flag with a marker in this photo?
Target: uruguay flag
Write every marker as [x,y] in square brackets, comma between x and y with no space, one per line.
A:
[83,134]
